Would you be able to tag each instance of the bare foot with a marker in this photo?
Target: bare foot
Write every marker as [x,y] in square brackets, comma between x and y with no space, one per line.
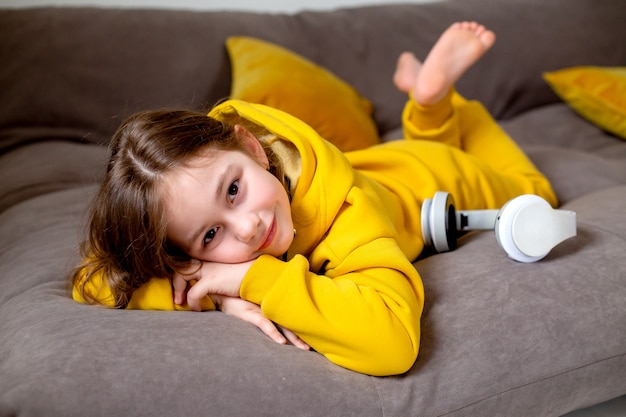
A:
[407,68]
[458,48]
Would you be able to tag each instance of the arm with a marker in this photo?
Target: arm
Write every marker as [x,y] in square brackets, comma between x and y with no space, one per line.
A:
[360,315]
[157,294]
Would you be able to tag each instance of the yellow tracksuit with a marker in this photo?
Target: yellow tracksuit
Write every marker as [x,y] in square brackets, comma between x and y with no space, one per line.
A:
[348,287]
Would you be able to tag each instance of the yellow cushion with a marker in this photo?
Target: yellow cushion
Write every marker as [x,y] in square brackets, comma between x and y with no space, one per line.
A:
[269,74]
[596,93]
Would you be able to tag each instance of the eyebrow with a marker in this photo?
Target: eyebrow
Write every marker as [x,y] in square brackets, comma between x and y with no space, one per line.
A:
[218,192]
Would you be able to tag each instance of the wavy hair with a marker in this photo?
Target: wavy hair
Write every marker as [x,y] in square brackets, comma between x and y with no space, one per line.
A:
[126,241]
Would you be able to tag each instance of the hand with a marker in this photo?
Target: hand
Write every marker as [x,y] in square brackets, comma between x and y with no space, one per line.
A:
[250,312]
[211,278]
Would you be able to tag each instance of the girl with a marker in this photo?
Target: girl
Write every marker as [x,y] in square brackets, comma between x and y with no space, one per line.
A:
[248,210]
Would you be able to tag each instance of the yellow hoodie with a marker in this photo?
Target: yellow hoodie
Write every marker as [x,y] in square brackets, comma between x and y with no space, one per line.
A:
[348,287]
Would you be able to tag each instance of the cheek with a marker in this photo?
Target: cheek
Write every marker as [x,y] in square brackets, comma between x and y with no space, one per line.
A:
[270,189]
[283,199]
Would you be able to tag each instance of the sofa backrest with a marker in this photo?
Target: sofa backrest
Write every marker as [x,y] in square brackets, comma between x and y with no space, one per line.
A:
[75,73]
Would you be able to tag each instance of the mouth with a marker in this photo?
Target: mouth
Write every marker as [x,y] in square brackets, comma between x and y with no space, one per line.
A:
[269,238]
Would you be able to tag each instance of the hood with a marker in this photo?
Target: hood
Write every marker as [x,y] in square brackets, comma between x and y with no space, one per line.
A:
[325,175]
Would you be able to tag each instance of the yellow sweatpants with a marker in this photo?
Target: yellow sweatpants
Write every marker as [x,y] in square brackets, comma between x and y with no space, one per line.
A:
[468,126]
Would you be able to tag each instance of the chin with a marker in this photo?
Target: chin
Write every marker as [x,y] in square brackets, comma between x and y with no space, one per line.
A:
[279,250]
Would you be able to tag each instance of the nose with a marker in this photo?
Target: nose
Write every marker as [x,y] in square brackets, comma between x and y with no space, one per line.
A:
[245,226]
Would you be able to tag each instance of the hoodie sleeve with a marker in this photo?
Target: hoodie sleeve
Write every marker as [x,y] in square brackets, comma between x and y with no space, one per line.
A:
[355,298]
[362,314]
[156,294]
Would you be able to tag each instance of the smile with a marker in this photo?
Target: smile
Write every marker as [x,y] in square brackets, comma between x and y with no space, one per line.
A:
[270,235]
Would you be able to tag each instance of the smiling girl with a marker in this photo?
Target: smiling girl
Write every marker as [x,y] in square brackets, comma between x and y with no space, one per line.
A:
[250,211]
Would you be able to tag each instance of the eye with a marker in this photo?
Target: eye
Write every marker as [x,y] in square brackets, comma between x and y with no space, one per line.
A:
[209,236]
[233,190]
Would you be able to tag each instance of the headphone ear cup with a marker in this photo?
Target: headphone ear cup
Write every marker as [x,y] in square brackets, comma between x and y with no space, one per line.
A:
[513,216]
[427,206]
[439,222]
[526,227]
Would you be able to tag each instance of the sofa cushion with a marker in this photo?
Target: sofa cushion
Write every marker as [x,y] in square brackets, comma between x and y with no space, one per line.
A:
[577,157]
[499,338]
[40,168]
[596,93]
[502,338]
[268,74]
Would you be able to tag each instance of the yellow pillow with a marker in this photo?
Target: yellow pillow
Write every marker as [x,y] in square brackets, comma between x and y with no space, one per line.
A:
[596,93]
[269,74]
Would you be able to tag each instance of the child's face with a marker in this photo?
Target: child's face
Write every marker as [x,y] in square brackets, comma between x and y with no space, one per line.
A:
[226,207]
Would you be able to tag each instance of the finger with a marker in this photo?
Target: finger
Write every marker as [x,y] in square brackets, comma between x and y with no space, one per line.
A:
[268,327]
[198,291]
[189,270]
[294,339]
[180,288]
[218,300]
[273,333]
[252,314]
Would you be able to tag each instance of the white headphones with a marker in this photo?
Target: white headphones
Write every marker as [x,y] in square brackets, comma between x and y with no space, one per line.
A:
[526,227]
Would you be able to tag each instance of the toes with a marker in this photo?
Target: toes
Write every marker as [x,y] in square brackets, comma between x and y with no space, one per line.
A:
[488,38]
[406,71]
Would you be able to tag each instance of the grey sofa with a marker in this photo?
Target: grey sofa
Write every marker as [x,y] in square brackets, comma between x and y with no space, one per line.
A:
[499,338]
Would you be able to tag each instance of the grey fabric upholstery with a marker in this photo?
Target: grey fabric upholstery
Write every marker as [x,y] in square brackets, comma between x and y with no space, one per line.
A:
[499,338]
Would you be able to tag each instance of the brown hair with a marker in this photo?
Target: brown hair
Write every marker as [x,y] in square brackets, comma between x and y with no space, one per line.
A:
[127,242]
